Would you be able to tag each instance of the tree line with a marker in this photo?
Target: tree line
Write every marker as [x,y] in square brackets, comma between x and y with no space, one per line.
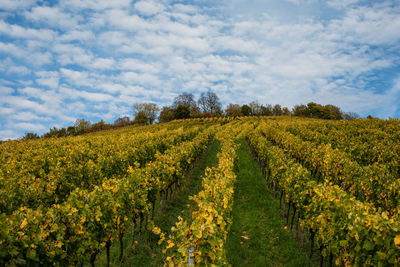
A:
[208,105]
[185,106]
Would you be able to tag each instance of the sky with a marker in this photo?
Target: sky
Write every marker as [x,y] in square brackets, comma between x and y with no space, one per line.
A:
[73,59]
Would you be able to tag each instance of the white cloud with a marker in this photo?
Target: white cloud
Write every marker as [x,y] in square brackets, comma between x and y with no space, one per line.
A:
[26,116]
[6,90]
[131,77]
[113,38]
[149,7]
[48,78]
[72,54]
[6,111]
[112,87]
[21,103]
[21,32]
[171,41]
[341,4]
[11,49]
[157,50]
[164,23]
[8,134]
[32,92]
[11,5]
[80,78]
[103,63]
[96,97]
[37,100]
[76,35]
[21,70]
[369,25]
[96,4]
[39,59]
[53,17]
[187,9]
[122,20]
[294,1]
[180,66]
[89,96]
[237,44]
[134,64]
[27,126]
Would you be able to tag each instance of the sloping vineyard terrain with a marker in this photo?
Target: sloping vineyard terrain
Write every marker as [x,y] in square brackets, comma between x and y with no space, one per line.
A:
[65,201]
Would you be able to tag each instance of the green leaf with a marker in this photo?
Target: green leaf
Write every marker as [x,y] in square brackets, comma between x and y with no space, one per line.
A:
[197,233]
[31,254]
[368,245]
[381,254]
[182,250]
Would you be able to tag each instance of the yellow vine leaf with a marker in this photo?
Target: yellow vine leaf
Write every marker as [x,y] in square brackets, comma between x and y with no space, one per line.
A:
[170,244]
[156,230]
[24,223]
[397,241]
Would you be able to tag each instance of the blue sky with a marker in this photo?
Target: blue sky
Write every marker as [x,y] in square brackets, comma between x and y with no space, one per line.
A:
[94,59]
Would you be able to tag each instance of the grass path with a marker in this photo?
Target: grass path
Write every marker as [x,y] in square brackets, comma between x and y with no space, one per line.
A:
[148,252]
[257,236]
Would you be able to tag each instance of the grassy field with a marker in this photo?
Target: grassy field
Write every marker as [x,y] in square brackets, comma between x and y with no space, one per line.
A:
[258,236]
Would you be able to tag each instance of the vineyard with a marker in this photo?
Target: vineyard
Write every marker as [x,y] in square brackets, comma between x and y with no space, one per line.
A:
[70,201]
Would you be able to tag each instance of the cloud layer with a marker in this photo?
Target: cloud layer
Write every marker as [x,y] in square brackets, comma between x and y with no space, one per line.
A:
[95,59]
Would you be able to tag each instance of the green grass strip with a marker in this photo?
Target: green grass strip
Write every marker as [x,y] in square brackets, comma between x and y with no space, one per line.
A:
[258,236]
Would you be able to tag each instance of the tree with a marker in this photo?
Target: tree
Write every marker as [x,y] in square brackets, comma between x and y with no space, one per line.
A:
[332,112]
[30,136]
[277,110]
[266,110]
[62,132]
[255,108]
[203,103]
[350,116]
[54,132]
[315,110]
[122,121]
[167,114]
[182,112]
[209,103]
[286,111]
[101,125]
[300,110]
[71,130]
[195,112]
[51,133]
[329,112]
[149,109]
[81,126]
[233,110]
[245,110]
[186,99]
[141,118]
